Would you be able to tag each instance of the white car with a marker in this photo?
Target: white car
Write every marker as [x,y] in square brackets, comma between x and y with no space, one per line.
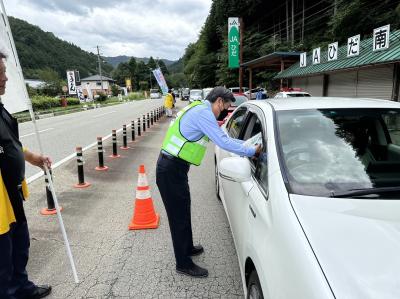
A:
[292,94]
[206,91]
[195,95]
[237,89]
[318,214]
[254,92]
[155,94]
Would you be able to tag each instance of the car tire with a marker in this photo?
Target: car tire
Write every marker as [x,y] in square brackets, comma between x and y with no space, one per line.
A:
[254,290]
[216,179]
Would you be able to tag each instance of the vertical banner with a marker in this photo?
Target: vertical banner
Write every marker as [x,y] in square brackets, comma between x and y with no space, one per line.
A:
[89,92]
[15,98]
[233,42]
[79,92]
[71,82]
[161,80]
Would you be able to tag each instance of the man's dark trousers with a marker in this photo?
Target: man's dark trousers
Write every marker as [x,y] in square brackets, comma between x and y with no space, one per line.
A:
[172,181]
[14,252]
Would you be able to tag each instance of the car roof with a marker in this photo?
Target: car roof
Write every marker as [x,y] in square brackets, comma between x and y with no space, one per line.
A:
[324,103]
[295,92]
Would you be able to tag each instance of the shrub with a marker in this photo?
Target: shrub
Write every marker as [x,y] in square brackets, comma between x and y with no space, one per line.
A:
[101,97]
[73,101]
[43,102]
[135,96]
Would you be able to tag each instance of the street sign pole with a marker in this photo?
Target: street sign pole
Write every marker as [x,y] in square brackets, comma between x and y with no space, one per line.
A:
[241,56]
[233,42]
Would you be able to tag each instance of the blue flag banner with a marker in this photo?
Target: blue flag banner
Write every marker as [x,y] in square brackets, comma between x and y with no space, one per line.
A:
[161,80]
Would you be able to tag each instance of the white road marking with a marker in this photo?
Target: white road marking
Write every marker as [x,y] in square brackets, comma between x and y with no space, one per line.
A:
[104,114]
[41,131]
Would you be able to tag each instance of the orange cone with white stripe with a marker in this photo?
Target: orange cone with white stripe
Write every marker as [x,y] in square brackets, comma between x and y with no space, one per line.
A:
[144,215]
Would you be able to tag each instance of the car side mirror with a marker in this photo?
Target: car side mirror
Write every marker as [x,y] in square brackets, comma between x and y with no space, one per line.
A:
[235,169]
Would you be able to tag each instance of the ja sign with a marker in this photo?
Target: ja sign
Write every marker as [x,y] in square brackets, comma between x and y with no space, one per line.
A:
[233,42]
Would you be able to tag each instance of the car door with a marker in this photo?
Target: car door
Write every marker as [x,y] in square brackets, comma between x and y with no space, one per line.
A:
[236,195]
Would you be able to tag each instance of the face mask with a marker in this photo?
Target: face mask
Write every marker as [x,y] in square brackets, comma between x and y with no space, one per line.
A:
[223,113]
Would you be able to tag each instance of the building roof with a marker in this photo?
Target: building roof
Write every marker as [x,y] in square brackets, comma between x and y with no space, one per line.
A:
[272,60]
[366,57]
[97,78]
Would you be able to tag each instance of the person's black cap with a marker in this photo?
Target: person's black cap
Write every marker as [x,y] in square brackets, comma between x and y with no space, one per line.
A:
[222,92]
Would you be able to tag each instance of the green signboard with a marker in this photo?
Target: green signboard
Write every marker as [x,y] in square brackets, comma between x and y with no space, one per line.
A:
[233,42]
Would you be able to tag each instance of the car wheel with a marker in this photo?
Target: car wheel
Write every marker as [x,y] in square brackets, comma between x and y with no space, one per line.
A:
[216,179]
[254,287]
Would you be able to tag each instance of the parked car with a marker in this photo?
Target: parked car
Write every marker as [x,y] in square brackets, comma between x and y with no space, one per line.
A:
[155,94]
[292,93]
[195,95]
[185,94]
[317,214]
[206,91]
[240,98]
[176,92]
[254,91]
[237,89]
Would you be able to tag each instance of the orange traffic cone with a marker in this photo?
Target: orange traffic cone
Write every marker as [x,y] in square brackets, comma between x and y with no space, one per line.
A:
[144,215]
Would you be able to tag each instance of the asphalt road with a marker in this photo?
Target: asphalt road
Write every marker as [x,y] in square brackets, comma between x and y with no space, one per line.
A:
[60,135]
[114,262]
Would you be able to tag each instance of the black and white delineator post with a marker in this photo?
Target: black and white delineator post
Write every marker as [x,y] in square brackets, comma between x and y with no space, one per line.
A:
[81,174]
[133,130]
[100,152]
[51,208]
[144,123]
[114,145]
[10,40]
[151,118]
[139,127]
[124,139]
[148,121]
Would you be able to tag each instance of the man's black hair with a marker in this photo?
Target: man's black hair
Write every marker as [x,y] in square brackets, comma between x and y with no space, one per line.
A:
[222,92]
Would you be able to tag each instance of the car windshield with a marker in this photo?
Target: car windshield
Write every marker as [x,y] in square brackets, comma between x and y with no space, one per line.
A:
[239,100]
[295,95]
[153,90]
[330,151]
[196,93]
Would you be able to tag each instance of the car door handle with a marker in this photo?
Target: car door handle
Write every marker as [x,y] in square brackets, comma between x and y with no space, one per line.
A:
[252,211]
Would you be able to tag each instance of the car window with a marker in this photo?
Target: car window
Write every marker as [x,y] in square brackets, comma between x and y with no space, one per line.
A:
[328,151]
[254,134]
[236,123]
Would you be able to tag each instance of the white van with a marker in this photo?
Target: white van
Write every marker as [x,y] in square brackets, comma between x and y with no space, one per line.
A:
[154,94]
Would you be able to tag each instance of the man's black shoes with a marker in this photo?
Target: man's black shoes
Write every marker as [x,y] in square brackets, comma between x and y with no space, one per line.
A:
[194,271]
[40,292]
[196,250]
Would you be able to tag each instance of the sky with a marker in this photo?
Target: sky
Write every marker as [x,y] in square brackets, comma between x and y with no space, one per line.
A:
[140,28]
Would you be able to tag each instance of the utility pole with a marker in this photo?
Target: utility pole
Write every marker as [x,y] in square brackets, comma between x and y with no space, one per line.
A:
[151,84]
[302,27]
[292,23]
[334,7]
[287,21]
[241,55]
[99,61]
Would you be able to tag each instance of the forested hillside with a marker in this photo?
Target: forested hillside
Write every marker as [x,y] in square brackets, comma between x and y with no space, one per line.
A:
[41,51]
[291,25]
